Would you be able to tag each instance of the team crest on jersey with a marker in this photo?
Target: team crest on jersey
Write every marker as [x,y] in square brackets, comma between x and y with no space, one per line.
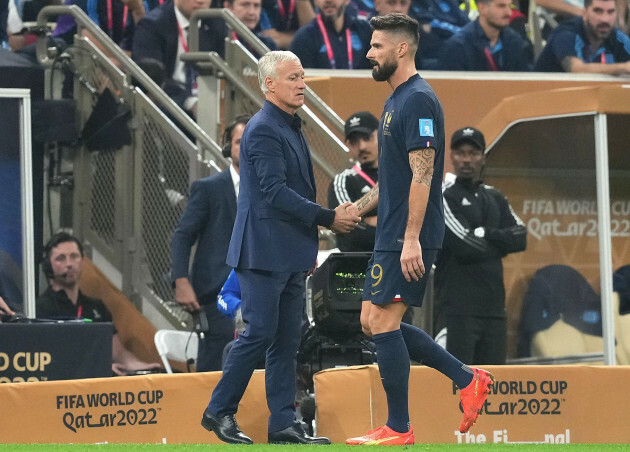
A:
[387,119]
[426,127]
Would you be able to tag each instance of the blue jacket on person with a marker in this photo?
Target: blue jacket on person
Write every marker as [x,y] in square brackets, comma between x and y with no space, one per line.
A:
[469,50]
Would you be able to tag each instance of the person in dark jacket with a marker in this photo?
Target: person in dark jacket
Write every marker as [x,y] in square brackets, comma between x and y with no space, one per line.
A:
[481,228]
[350,185]
[207,223]
[335,39]
[590,43]
[487,44]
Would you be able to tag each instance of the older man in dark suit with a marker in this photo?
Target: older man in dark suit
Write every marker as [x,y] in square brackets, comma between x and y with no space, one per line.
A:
[274,243]
[208,221]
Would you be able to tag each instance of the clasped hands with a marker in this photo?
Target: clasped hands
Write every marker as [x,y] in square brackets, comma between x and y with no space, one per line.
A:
[346,218]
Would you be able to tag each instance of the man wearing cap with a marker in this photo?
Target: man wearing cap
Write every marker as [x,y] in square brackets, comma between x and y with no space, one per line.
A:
[481,228]
[362,140]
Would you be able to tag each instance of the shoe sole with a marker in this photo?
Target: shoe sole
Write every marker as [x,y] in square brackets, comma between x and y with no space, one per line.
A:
[380,442]
[479,409]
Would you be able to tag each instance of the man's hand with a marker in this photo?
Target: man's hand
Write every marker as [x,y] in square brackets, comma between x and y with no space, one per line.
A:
[185,295]
[411,260]
[346,218]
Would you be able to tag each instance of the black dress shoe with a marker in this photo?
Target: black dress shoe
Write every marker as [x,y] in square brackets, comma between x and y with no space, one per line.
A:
[295,434]
[225,427]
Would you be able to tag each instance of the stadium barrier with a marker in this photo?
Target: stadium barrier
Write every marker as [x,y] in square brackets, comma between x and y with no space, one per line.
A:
[546,404]
[553,404]
[140,409]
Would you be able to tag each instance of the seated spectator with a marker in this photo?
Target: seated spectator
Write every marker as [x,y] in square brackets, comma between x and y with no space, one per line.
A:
[564,10]
[488,43]
[590,43]
[439,20]
[162,36]
[249,12]
[283,18]
[334,39]
[62,299]
[117,18]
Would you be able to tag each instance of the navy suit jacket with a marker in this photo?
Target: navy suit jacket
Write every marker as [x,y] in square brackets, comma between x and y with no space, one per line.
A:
[276,220]
[208,221]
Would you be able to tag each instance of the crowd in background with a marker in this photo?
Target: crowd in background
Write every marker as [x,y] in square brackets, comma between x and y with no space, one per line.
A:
[486,35]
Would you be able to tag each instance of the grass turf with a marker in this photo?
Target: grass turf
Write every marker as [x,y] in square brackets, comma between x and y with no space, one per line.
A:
[292,448]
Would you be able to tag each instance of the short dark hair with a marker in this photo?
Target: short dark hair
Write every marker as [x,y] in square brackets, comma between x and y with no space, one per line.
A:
[398,23]
[588,3]
[55,241]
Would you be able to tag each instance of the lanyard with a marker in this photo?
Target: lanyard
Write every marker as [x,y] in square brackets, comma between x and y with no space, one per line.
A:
[361,173]
[283,12]
[493,65]
[110,18]
[80,312]
[329,50]
[603,57]
[182,38]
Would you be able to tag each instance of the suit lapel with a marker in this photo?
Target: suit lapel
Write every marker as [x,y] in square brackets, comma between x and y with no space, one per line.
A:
[303,157]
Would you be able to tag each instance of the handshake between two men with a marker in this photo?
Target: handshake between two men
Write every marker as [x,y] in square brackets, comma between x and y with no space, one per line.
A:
[346,218]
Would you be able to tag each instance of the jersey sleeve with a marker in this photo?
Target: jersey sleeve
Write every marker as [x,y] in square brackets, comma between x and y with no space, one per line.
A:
[421,122]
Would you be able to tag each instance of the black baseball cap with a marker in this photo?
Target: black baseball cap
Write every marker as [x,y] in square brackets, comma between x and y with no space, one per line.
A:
[361,121]
[469,134]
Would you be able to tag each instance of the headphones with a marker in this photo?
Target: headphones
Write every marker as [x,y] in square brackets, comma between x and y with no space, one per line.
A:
[226,150]
[55,240]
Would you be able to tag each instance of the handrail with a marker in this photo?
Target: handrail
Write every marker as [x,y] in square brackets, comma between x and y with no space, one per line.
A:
[130,68]
[251,39]
[232,77]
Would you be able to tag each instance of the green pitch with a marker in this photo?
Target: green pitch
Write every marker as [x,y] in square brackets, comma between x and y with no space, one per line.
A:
[331,448]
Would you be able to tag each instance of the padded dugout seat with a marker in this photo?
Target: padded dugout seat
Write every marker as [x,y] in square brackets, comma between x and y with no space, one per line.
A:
[561,315]
[562,339]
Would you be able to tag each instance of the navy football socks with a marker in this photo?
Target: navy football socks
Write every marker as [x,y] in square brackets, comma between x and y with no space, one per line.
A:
[393,365]
[424,350]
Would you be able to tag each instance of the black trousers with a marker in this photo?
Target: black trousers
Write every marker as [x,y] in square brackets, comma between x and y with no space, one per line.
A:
[477,340]
[221,331]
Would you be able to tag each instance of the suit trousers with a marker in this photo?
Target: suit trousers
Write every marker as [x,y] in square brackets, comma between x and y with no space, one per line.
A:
[220,333]
[272,306]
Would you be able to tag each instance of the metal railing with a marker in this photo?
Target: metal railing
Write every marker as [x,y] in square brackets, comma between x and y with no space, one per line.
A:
[321,125]
[127,201]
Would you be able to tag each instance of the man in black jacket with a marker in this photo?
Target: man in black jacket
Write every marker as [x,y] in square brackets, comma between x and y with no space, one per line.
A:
[350,185]
[481,228]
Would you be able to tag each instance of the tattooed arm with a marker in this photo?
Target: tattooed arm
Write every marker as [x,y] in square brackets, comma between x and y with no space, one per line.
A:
[421,163]
[368,201]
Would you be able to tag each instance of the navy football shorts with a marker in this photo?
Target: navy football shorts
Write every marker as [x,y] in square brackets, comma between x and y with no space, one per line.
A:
[385,282]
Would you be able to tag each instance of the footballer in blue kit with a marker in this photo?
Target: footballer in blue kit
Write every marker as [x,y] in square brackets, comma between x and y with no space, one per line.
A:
[409,233]
[413,120]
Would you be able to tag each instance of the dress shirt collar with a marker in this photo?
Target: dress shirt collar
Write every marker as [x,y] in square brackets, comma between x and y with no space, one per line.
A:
[182,20]
[236,178]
